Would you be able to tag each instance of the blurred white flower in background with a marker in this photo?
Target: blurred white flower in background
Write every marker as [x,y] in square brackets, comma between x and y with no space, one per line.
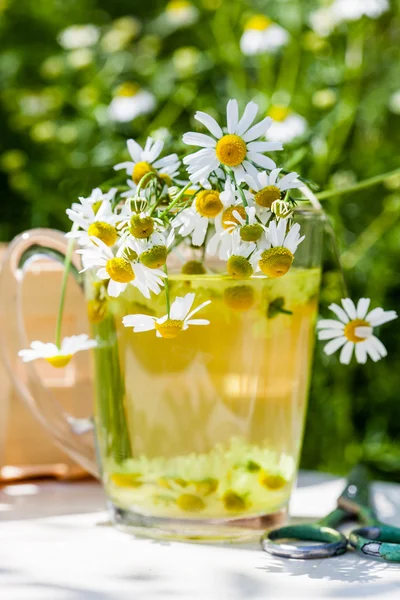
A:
[130,102]
[78,36]
[181,13]
[262,35]
[324,20]
[286,125]
[123,30]
[394,102]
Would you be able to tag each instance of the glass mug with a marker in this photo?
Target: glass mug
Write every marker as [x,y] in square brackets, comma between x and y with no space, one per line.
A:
[196,437]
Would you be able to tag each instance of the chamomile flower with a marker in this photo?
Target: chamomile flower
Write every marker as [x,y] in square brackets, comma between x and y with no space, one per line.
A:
[169,326]
[78,36]
[181,13]
[354,330]
[225,222]
[286,124]
[325,19]
[146,160]
[267,188]
[276,260]
[93,221]
[152,251]
[194,220]
[95,199]
[57,357]
[121,269]
[129,102]
[236,149]
[243,258]
[261,36]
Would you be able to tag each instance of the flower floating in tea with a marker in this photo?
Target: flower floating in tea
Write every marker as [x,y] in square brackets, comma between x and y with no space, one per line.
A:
[169,326]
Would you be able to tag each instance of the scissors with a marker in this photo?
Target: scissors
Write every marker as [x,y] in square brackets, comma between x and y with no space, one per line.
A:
[374,539]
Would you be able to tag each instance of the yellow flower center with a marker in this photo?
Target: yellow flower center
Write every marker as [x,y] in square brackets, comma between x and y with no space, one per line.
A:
[171,328]
[267,196]
[140,170]
[104,231]
[141,227]
[239,297]
[193,267]
[128,89]
[258,22]
[231,150]
[190,503]
[278,112]
[120,270]
[166,179]
[276,262]
[228,217]
[97,310]
[126,479]
[272,482]
[59,361]
[350,330]
[251,233]
[239,267]
[155,257]
[233,502]
[205,487]
[208,203]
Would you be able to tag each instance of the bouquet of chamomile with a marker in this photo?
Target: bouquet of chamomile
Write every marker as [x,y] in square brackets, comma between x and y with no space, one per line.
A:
[232,202]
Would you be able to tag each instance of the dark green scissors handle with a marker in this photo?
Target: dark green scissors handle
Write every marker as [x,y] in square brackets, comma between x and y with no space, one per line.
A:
[379,540]
[332,542]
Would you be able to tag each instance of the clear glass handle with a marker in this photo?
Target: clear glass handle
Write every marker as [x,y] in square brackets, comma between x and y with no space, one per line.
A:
[75,436]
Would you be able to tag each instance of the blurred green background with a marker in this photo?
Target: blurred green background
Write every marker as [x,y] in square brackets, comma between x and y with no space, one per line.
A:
[59,139]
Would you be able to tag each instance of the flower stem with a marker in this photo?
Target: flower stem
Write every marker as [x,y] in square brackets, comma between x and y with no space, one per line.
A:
[241,192]
[67,264]
[166,283]
[358,186]
[175,200]
[144,180]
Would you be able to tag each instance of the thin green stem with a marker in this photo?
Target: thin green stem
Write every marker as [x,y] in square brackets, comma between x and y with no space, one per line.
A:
[67,265]
[144,180]
[357,186]
[166,284]
[175,200]
[241,192]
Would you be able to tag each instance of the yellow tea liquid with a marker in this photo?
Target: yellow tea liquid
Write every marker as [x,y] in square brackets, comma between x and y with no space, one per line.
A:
[208,424]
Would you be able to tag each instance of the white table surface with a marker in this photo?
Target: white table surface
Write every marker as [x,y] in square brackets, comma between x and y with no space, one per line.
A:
[56,544]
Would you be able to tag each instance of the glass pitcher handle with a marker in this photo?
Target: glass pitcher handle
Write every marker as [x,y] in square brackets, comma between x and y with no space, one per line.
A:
[74,436]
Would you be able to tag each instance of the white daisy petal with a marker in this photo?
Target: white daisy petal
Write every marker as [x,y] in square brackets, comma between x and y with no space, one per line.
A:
[361,353]
[134,150]
[260,159]
[349,307]
[249,114]
[198,139]
[339,312]
[346,353]
[334,345]
[329,323]
[209,122]
[329,334]
[378,316]
[377,344]
[232,115]
[257,130]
